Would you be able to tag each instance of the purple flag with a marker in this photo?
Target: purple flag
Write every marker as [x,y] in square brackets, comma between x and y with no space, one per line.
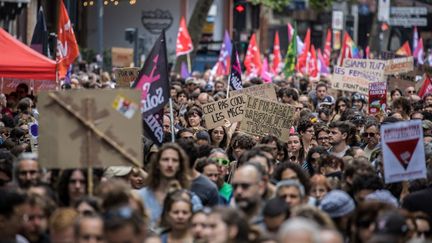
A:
[184,71]
[224,55]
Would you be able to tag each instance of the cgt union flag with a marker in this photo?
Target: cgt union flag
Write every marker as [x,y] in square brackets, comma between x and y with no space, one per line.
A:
[154,84]
[184,41]
[67,47]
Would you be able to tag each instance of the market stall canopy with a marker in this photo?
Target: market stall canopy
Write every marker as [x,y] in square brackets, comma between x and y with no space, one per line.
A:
[19,61]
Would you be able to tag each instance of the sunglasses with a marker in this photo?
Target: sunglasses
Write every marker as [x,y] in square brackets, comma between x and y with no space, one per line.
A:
[410,91]
[368,134]
[221,161]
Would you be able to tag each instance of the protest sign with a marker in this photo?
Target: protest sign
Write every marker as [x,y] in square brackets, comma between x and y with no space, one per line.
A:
[125,76]
[377,97]
[90,128]
[266,91]
[352,80]
[403,151]
[371,66]
[217,113]
[405,80]
[399,65]
[262,117]
[121,57]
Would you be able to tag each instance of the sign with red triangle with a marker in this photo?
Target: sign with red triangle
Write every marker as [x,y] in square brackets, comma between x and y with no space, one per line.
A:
[403,150]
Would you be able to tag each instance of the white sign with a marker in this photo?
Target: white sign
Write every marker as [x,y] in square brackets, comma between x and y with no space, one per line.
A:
[408,22]
[384,10]
[403,151]
[337,20]
[405,11]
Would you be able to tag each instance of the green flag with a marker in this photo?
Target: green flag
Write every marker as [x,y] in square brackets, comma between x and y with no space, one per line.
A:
[291,56]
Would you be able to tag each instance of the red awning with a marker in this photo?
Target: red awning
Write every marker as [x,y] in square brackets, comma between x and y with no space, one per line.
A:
[19,61]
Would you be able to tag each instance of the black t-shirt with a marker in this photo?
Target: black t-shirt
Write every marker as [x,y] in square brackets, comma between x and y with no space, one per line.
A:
[206,190]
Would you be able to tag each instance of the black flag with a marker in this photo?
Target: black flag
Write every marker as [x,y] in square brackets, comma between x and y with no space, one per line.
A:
[39,40]
[235,81]
[154,84]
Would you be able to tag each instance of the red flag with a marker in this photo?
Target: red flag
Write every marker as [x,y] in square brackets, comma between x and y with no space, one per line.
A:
[67,47]
[302,60]
[367,52]
[346,48]
[327,48]
[184,41]
[252,60]
[404,50]
[313,63]
[426,88]
[277,57]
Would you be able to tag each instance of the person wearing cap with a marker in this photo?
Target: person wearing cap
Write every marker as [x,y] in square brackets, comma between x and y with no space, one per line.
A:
[339,206]
[135,176]
[192,85]
[358,101]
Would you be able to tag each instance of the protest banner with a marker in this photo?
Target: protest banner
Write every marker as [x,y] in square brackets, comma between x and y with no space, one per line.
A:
[217,113]
[399,65]
[266,91]
[377,97]
[403,151]
[125,76]
[371,66]
[121,57]
[352,80]
[404,80]
[90,128]
[262,117]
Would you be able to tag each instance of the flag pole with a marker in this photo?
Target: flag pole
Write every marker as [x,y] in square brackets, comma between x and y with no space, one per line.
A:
[228,83]
[189,63]
[172,120]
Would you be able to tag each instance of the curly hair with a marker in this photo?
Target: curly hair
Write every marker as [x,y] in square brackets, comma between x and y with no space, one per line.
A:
[154,177]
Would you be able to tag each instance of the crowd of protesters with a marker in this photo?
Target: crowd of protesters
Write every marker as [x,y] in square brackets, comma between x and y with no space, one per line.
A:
[221,185]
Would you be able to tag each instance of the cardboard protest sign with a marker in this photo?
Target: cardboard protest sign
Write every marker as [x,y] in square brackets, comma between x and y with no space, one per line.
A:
[125,76]
[121,57]
[399,65]
[266,91]
[371,66]
[352,80]
[403,151]
[262,117]
[377,97]
[90,128]
[217,113]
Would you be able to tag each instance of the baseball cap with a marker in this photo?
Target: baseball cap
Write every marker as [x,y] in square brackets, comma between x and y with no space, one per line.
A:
[117,171]
[337,203]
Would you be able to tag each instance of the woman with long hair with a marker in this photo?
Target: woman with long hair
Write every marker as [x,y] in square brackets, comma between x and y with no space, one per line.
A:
[176,218]
[219,137]
[170,165]
[295,148]
[72,186]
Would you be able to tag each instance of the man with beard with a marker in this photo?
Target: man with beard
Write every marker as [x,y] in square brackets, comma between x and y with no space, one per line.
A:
[27,172]
[248,190]
[341,132]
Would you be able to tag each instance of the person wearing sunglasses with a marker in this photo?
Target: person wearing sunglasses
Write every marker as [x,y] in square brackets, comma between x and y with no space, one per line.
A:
[371,137]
